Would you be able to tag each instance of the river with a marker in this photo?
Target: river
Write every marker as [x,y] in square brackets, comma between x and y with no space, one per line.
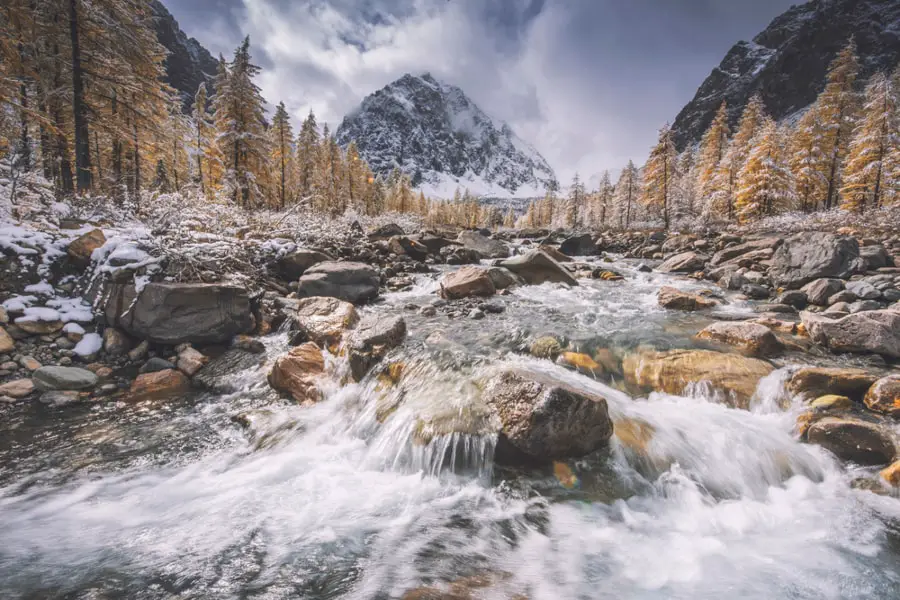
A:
[355,499]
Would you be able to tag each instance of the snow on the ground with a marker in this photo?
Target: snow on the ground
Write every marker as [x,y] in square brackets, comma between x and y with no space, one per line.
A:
[74,328]
[89,345]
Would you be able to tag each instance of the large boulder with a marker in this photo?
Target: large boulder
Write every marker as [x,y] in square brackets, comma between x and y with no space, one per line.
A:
[402,245]
[466,282]
[819,291]
[675,370]
[81,249]
[296,372]
[292,266]
[817,381]
[372,340]
[884,396]
[176,313]
[385,232]
[684,262]
[751,339]
[537,267]
[485,246]
[855,440]
[812,255]
[433,243]
[323,320]
[542,421]
[876,331]
[875,257]
[579,245]
[350,281]
[675,299]
[63,378]
[732,252]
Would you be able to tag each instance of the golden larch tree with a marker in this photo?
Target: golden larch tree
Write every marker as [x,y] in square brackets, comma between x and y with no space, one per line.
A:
[765,185]
[660,174]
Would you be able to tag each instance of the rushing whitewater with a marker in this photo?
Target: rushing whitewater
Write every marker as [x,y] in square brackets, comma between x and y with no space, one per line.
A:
[387,487]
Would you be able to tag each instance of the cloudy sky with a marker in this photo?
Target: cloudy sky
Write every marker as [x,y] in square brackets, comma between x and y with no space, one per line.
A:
[587,82]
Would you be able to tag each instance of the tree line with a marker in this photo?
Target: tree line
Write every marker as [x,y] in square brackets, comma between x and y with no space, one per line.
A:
[843,151]
[83,101]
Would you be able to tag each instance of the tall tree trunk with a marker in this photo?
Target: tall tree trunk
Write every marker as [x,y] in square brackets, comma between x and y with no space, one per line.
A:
[82,132]
[137,161]
[200,157]
[24,142]
[97,154]
[175,163]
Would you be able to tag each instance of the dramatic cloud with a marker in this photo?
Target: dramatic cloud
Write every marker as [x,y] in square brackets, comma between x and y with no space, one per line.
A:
[587,82]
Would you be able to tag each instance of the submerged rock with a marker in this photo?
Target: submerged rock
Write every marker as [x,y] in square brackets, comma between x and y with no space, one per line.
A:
[751,339]
[542,421]
[159,385]
[295,373]
[350,281]
[675,299]
[675,370]
[216,374]
[546,347]
[17,388]
[537,267]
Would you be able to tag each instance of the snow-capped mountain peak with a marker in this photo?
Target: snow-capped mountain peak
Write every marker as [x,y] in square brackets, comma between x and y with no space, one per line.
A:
[434,133]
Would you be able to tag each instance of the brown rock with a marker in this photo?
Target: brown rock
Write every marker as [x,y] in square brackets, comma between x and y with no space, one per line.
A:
[855,440]
[542,421]
[324,320]
[81,249]
[884,396]
[817,381]
[675,299]
[160,385]
[30,363]
[751,339]
[18,388]
[7,344]
[190,361]
[115,343]
[466,282]
[39,327]
[295,373]
[580,362]
[674,370]
[891,474]
[831,402]
[554,253]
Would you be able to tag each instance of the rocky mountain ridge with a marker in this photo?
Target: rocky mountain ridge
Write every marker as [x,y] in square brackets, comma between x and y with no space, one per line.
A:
[189,64]
[435,134]
[787,62]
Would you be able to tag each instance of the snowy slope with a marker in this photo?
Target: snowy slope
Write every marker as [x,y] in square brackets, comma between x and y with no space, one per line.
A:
[434,133]
[787,62]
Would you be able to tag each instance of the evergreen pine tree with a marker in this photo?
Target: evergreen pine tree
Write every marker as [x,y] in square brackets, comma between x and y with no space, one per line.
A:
[307,155]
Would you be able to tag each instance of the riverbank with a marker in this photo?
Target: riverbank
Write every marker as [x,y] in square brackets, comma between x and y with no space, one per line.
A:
[442,413]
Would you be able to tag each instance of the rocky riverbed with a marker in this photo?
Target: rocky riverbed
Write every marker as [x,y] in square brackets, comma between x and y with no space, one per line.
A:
[449,415]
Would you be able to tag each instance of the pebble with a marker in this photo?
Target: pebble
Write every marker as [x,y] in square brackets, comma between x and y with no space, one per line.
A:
[65,361]
[476,314]
[30,363]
